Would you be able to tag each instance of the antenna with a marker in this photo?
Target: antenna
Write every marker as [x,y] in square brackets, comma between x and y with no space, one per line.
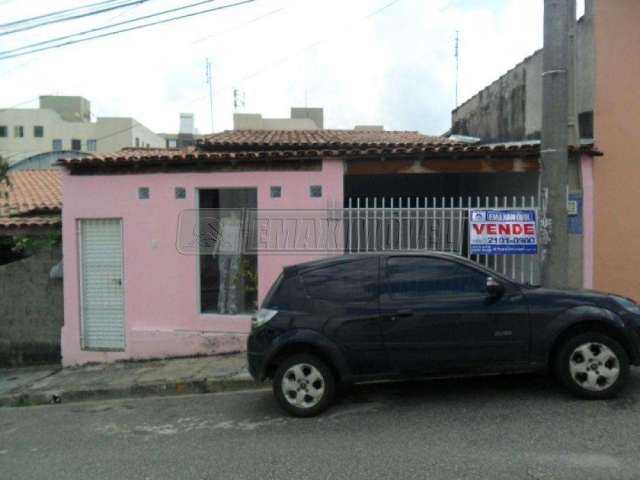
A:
[238,99]
[457,64]
[210,83]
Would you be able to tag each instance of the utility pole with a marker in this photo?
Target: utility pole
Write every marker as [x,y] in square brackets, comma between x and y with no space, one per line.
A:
[210,83]
[457,64]
[554,148]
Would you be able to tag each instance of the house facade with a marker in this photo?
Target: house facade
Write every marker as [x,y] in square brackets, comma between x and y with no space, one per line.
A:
[143,280]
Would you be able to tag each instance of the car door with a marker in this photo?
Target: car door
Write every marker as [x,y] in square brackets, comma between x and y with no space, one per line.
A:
[437,315]
[345,302]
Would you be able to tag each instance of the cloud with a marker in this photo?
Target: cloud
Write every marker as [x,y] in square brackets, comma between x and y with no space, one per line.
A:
[395,68]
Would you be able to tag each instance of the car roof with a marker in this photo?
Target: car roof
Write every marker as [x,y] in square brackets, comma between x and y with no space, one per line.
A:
[326,262]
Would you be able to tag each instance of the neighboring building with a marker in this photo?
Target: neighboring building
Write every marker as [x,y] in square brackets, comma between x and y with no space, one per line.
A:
[147,274]
[510,109]
[31,299]
[301,119]
[37,138]
[617,175]
[187,134]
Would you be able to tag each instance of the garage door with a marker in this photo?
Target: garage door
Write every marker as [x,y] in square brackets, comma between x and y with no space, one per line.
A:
[102,302]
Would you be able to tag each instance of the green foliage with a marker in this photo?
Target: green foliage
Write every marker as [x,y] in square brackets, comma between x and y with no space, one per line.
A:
[26,246]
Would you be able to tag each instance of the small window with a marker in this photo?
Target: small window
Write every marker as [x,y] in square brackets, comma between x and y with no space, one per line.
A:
[276,192]
[355,281]
[143,193]
[137,142]
[3,131]
[181,193]
[76,144]
[172,143]
[422,277]
[56,145]
[92,145]
[38,131]
[18,131]
[315,191]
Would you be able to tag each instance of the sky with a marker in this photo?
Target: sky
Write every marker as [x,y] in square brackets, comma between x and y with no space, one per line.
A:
[366,62]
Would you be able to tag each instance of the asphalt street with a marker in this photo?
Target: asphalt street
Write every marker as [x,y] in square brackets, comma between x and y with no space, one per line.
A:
[520,427]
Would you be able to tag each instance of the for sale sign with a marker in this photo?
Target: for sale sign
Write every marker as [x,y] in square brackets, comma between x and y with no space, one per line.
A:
[503,232]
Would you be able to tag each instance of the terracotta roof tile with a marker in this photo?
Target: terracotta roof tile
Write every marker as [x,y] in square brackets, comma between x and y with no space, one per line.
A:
[29,222]
[31,191]
[255,139]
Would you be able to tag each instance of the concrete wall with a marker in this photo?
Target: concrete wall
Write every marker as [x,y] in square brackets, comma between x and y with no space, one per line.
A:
[162,314]
[31,310]
[510,109]
[617,174]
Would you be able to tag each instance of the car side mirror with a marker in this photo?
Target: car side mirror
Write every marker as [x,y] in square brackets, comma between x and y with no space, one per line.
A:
[495,289]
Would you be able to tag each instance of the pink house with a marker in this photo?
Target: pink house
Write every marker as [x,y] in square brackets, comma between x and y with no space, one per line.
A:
[133,286]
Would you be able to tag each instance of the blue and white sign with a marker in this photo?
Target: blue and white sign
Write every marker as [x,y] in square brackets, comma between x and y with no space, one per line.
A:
[503,232]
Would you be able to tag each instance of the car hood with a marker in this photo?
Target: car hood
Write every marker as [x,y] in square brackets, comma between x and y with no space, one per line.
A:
[592,297]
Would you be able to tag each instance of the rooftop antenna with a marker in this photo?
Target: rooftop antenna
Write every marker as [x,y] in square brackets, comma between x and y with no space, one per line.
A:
[210,83]
[457,64]
[238,99]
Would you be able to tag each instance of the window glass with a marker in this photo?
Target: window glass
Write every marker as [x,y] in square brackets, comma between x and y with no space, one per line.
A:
[228,275]
[92,145]
[38,131]
[411,277]
[354,281]
[18,131]
[76,145]
[57,145]
[3,130]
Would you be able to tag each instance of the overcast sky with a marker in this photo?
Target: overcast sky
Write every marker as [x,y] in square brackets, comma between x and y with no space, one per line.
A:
[365,64]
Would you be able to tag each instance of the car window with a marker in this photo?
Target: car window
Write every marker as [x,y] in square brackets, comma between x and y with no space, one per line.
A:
[411,277]
[353,281]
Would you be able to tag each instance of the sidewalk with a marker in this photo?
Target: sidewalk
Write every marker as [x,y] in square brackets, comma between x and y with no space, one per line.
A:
[52,384]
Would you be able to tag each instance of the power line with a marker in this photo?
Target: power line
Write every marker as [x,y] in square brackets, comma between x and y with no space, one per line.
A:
[12,53]
[71,17]
[57,13]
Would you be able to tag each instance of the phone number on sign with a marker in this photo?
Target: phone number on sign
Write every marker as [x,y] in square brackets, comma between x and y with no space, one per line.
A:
[506,241]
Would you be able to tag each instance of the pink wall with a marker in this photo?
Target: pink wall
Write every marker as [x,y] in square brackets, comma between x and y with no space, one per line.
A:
[162,317]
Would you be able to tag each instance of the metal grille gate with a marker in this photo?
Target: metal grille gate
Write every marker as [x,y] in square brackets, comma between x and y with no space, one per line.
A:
[431,224]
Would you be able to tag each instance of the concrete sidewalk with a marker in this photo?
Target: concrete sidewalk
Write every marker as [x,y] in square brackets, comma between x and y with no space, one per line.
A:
[52,384]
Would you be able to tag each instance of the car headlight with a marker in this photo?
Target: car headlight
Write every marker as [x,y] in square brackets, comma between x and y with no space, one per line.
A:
[262,316]
[627,304]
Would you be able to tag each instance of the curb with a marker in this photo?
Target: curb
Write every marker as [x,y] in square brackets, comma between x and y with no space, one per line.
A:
[227,384]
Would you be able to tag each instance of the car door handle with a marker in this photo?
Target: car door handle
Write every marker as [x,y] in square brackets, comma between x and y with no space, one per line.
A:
[402,314]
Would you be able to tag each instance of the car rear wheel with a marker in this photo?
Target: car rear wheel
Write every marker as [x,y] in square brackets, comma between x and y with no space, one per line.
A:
[593,366]
[304,385]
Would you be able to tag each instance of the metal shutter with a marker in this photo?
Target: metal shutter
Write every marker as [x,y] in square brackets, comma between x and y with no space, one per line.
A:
[102,307]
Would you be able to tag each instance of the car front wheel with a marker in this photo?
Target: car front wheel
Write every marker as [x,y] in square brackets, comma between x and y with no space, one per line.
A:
[593,366]
[304,385]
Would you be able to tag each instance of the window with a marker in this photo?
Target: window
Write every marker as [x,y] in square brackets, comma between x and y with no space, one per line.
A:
[315,191]
[56,145]
[92,145]
[172,143]
[228,275]
[76,144]
[355,281]
[3,131]
[181,193]
[137,142]
[411,277]
[38,131]
[143,193]
[18,131]
[276,192]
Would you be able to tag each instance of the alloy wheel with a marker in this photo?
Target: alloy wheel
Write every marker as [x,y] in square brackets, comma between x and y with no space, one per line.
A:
[303,385]
[594,366]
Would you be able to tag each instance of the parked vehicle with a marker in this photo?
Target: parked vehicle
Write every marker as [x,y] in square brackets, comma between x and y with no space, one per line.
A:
[395,316]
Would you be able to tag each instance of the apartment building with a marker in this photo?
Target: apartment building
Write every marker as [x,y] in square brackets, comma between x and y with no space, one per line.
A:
[37,137]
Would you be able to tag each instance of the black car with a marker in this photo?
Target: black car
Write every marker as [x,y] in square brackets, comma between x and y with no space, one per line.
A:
[379,317]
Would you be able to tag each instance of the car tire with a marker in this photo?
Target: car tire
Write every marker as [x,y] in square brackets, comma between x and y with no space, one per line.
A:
[304,385]
[592,366]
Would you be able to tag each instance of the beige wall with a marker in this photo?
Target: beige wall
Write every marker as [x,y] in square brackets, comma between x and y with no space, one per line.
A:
[617,123]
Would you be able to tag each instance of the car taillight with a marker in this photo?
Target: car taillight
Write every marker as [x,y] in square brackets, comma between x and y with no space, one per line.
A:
[262,316]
